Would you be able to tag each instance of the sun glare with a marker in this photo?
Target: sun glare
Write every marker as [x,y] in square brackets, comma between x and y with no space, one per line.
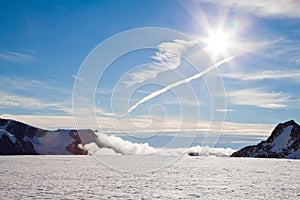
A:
[218,42]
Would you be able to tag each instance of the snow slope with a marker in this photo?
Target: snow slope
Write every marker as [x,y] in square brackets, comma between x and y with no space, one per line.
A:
[283,140]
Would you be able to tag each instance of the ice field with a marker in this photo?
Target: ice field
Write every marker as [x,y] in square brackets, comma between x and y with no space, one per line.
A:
[148,177]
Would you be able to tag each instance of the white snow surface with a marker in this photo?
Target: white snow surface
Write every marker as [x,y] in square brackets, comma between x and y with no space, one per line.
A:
[84,177]
[282,141]
[12,138]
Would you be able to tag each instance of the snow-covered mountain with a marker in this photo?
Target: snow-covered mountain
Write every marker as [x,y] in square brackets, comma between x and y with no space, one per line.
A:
[284,142]
[17,138]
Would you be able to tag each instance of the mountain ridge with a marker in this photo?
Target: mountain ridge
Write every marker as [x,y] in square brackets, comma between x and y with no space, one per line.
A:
[18,138]
[284,142]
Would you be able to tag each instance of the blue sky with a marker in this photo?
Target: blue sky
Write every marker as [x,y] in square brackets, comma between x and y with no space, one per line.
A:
[43,44]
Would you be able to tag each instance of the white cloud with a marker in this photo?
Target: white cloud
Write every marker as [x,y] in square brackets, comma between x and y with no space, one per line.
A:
[287,74]
[36,81]
[11,56]
[259,98]
[168,57]
[225,110]
[266,8]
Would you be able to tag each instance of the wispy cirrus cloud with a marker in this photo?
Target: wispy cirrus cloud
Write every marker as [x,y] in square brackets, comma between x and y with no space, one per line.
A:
[168,57]
[11,56]
[38,96]
[266,8]
[170,128]
[288,51]
[291,75]
[225,110]
[259,98]
[20,84]
[45,89]
[33,95]
[9,100]
[16,101]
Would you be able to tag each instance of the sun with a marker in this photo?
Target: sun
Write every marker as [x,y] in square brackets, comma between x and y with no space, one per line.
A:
[217,42]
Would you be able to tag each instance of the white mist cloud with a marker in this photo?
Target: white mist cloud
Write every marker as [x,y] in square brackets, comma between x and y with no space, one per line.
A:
[103,144]
[122,146]
[208,151]
[115,145]
[197,151]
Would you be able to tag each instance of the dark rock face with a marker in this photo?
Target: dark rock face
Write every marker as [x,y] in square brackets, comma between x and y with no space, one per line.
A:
[8,147]
[193,154]
[16,130]
[17,138]
[284,142]
[76,147]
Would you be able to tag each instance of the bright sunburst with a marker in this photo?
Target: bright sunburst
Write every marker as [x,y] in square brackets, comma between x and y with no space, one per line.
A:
[218,42]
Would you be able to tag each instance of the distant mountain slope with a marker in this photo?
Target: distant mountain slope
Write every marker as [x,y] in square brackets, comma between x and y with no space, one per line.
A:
[284,142]
[17,138]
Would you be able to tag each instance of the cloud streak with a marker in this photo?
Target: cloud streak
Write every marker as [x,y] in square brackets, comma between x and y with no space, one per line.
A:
[168,87]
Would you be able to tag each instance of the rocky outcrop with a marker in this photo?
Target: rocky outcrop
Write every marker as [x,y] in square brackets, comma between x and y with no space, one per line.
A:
[284,142]
[17,138]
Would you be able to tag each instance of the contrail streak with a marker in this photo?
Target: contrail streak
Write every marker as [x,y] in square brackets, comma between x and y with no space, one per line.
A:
[168,87]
